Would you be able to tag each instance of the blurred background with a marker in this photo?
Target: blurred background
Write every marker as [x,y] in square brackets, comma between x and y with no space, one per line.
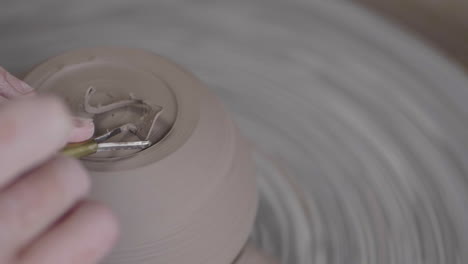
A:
[443,23]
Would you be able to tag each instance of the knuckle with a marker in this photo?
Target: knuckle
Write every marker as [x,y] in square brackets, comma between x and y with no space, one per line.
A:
[75,179]
[105,219]
[54,186]
[98,231]
[59,181]
[55,106]
[59,120]
[18,207]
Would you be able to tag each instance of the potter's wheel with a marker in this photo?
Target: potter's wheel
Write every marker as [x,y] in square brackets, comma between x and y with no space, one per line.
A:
[369,123]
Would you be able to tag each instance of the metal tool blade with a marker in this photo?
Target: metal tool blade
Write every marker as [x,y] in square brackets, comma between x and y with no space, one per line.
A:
[114,132]
[114,146]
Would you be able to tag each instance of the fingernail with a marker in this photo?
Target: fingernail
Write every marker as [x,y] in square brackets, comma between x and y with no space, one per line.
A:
[83,129]
[80,122]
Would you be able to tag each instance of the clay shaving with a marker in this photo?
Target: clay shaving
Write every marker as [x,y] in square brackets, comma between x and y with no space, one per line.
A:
[148,120]
[141,131]
[100,109]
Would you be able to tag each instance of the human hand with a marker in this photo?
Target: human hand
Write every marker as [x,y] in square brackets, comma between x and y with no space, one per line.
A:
[11,87]
[43,217]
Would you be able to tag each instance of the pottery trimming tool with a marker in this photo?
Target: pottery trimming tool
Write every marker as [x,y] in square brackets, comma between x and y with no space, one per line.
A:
[98,144]
[79,150]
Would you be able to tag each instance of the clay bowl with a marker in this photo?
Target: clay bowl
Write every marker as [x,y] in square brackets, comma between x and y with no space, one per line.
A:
[189,198]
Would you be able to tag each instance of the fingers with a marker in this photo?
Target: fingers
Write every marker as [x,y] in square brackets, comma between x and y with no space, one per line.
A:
[11,86]
[83,129]
[33,203]
[83,236]
[32,130]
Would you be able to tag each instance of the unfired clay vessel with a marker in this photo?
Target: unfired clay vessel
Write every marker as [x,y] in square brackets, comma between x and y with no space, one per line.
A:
[189,198]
